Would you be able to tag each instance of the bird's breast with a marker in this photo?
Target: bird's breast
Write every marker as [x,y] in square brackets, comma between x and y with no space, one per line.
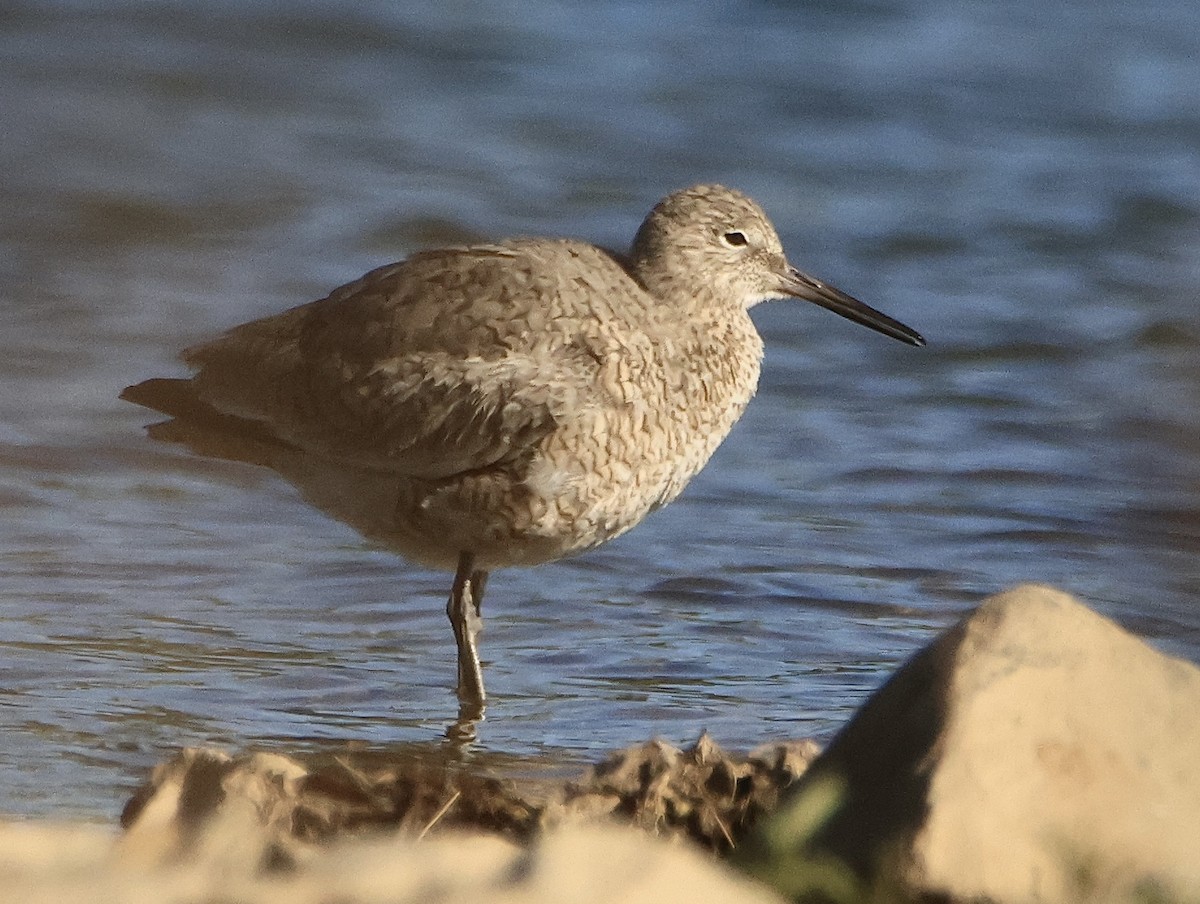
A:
[667,407]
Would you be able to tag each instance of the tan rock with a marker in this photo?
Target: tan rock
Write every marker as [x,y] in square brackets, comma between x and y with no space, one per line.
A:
[43,864]
[605,864]
[621,865]
[1035,752]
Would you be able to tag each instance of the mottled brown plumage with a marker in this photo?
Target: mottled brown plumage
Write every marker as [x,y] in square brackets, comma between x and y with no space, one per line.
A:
[504,404]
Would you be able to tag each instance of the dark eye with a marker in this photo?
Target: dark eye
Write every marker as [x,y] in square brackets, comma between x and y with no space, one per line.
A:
[735,239]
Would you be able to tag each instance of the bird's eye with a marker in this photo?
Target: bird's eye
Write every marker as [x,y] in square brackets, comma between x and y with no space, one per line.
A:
[735,239]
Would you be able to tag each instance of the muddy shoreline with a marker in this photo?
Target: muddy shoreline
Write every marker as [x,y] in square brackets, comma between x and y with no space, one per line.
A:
[704,794]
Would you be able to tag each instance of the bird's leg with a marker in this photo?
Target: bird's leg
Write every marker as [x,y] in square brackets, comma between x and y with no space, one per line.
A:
[466,617]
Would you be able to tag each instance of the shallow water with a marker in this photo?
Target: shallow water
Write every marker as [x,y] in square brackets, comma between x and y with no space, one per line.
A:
[1018,180]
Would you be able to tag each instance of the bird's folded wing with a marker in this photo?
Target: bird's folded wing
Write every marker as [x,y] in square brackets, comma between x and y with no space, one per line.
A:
[410,369]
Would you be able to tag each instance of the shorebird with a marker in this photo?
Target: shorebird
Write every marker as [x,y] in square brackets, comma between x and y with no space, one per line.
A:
[502,404]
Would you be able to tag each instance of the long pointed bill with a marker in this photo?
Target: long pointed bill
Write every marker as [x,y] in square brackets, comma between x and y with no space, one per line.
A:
[801,285]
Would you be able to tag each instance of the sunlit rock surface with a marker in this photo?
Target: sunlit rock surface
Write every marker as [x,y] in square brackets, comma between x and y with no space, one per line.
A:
[1035,752]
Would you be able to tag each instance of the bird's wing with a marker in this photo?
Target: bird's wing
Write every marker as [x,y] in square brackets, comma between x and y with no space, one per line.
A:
[451,361]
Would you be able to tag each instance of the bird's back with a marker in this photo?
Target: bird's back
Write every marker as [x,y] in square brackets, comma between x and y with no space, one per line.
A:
[452,360]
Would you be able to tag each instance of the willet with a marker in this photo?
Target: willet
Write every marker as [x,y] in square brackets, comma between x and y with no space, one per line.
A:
[505,404]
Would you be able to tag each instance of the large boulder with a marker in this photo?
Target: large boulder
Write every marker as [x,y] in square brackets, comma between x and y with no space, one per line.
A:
[1035,752]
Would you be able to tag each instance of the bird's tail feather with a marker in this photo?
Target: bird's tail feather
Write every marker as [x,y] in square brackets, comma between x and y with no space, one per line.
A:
[202,428]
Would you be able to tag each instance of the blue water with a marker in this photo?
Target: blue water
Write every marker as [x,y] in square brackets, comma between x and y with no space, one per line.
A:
[1018,180]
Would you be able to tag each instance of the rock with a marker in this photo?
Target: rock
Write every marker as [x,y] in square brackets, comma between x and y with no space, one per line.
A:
[622,865]
[1034,752]
[582,865]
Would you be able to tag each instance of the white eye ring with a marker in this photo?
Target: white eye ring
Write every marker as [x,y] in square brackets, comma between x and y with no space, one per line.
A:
[735,238]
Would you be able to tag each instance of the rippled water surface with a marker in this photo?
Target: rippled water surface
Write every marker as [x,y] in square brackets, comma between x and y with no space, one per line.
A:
[1019,180]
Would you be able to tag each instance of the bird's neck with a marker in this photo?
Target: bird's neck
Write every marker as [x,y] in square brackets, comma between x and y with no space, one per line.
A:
[726,352]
